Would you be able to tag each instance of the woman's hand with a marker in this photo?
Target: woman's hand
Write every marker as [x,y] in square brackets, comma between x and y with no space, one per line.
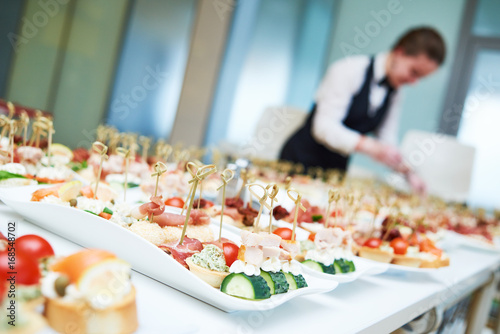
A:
[416,183]
[386,154]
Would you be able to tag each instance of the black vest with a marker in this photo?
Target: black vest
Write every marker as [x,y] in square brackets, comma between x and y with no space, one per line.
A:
[303,148]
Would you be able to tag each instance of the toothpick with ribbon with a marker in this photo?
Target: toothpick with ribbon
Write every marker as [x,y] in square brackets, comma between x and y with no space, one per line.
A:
[159,168]
[192,168]
[4,123]
[262,202]
[4,156]
[201,174]
[332,197]
[126,155]
[12,132]
[243,175]
[50,132]
[272,191]
[226,176]
[166,151]
[288,182]
[102,150]
[298,205]
[25,121]
[145,143]
[12,109]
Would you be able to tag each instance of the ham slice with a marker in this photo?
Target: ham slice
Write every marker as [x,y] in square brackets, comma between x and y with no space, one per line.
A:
[155,207]
[181,252]
[199,217]
[171,219]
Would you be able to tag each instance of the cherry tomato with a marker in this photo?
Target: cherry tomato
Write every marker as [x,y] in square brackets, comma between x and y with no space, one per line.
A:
[311,236]
[284,232]
[175,201]
[400,246]
[373,243]
[230,252]
[28,271]
[34,246]
[3,290]
[105,215]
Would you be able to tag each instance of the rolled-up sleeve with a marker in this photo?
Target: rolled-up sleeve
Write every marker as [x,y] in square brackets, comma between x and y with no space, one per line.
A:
[342,81]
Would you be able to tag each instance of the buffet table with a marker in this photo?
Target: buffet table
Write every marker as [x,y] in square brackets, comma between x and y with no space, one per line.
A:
[377,304]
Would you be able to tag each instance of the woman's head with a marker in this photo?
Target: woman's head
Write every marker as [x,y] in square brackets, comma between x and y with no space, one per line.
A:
[416,54]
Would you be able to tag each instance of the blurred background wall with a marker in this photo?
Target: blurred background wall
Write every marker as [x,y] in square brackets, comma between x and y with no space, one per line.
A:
[203,72]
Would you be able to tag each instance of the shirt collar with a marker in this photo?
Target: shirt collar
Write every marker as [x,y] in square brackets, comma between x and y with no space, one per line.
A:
[379,67]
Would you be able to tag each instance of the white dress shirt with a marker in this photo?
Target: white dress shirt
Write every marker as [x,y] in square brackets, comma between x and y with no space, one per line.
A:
[343,80]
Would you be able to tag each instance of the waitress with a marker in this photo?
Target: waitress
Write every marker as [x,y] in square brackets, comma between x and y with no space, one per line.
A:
[359,95]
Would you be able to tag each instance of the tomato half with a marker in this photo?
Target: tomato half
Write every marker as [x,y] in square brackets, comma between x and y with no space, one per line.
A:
[400,246]
[373,243]
[284,232]
[34,246]
[27,268]
[230,252]
[175,201]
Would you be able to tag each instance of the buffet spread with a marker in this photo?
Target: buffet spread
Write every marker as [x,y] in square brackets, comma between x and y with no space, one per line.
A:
[238,234]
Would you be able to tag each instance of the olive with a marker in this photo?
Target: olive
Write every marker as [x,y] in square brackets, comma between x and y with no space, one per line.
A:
[60,285]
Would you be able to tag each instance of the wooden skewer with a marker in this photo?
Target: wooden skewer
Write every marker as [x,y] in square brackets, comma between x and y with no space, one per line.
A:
[262,202]
[126,155]
[102,150]
[272,191]
[226,176]
[298,205]
[201,174]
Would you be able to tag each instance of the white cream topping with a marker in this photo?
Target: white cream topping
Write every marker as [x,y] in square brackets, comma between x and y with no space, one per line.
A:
[272,264]
[93,205]
[239,266]
[291,267]
[386,248]
[54,200]
[55,173]
[14,168]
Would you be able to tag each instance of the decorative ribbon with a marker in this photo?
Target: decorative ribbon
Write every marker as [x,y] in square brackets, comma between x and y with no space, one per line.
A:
[298,205]
[25,121]
[272,191]
[102,150]
[333,196]
[126,155]
[145,143]
[262,202]
[201,174]
[226,176]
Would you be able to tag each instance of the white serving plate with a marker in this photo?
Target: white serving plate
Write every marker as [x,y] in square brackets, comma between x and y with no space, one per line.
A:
[396,267]
[471,242]
[93,231]
[363,268]
[300,233]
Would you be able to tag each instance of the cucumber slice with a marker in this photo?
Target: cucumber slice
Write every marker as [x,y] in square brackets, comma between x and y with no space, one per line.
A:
[243,286]
[268,279]
[295,281]
[280,282]
[338,267]
[351,265]
[318,266]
